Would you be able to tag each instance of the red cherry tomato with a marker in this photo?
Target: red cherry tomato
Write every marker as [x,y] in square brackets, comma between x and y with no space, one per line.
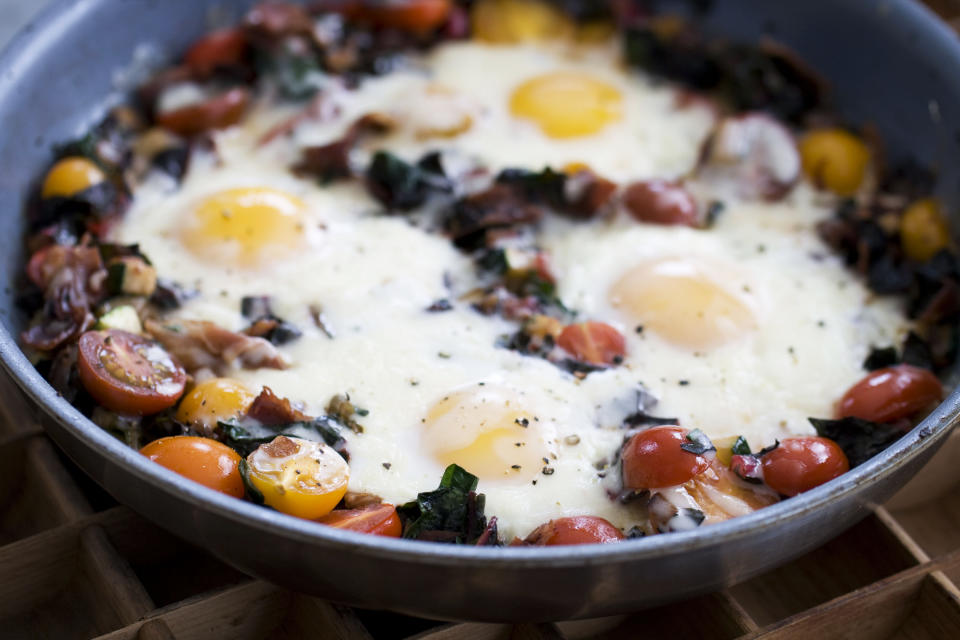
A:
[211,463]
[594,342]
[660,202]
[416,16]
[574,530]
[377,519]
[218,112]
[216,49]
[653,459]
[890,394]
[800,464]
[128,373]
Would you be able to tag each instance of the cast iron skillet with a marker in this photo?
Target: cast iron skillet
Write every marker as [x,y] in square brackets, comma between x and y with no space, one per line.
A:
[890,62]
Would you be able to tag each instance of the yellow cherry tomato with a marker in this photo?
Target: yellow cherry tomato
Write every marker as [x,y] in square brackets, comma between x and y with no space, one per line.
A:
[923,230]
[510,21]
[211,463]
[835,160]
[70,176]
[212,401]
[298,477]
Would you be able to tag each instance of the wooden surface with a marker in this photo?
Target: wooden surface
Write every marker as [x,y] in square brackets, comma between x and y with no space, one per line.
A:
[74,564]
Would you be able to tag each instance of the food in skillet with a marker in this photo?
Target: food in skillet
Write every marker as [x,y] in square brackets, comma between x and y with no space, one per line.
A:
[622,279]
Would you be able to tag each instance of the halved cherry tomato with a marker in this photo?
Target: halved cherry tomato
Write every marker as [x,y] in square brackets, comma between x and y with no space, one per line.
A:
[216,49]
[890,394]
[574,530]
[128,373]
[376,519]
[594,342]
[800,464]
[218,112]
[653,459]
[660,202]
[416,16]
[211,463]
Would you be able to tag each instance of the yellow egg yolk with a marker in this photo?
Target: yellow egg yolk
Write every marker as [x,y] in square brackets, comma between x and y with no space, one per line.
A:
[566,104]
[489,432]
[245,227]
[679,301]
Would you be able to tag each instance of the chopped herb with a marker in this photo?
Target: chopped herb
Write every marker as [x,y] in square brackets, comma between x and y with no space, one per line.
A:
[523,422]
[441,354]
[714,209]
[639,328]
[683,383]
[341,409]
[698,443]
[859,439]
[740,447]
[387,465]
[515,466]
[548,471]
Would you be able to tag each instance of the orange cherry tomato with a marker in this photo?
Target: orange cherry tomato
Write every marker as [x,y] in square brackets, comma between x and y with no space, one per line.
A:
[800,464]
[594,342]
[660,202]
[211,463]
[128,373]
[653,459]
[574,530]
[416,16]
[216,49]
[376,519]
[218,112]
[890,394]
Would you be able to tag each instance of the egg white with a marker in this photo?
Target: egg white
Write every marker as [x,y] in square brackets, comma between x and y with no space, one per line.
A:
[374,276]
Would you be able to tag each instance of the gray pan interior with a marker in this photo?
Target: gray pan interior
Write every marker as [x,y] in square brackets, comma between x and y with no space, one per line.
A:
[889,62]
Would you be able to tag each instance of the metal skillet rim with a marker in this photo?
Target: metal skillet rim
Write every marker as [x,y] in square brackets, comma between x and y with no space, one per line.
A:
[57,16]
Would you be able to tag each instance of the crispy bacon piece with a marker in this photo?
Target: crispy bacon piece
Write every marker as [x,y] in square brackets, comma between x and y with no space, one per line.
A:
[332,160]
[218,112]
[198,344]
[500,206]
[270,409]
[587,194]
[72,280]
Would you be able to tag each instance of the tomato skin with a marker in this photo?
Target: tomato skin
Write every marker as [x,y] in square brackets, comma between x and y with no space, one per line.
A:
[574,530]
[415,16]
[218,112]
[891,393]
[800,464]
[216,49]
[211,463]
[653,459]
[128,373]
[376,519]
[594,342]
[660,202]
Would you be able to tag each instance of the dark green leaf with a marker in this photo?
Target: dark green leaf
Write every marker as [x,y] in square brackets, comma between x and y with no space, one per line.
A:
[859,439]
[697,443]
[740,447]
[879,358]
[451,513]
[252,493]
[401,185]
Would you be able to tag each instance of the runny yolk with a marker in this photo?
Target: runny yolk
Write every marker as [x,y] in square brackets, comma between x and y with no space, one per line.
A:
[679,301]
[567,104]
[488,431]
[245,227]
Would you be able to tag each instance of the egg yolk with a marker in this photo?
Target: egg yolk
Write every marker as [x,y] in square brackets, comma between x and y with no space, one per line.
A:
[679,301]
[489,432]
[567,104]
[245,227]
